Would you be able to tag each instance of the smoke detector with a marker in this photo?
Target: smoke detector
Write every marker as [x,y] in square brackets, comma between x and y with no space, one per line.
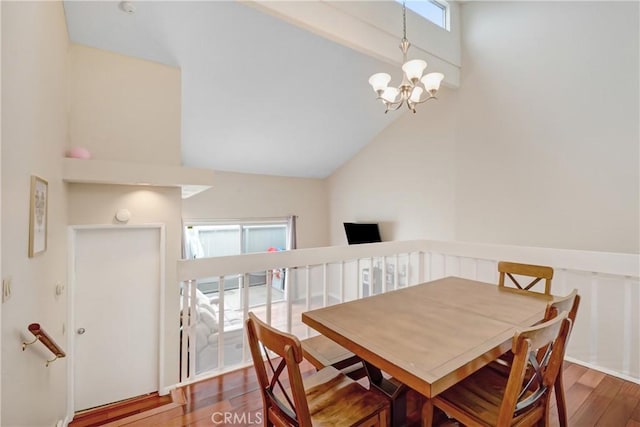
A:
[127,7]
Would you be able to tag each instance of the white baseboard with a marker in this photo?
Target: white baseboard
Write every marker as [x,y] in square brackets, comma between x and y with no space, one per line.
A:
[604,370]
[65,422]
[163,391]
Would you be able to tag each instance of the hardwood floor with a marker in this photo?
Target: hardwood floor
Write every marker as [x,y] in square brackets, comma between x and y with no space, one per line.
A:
[593,399]
[119,410]
[597,399]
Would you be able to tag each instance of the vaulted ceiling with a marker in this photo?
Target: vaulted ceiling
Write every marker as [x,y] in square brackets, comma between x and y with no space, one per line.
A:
[259,95]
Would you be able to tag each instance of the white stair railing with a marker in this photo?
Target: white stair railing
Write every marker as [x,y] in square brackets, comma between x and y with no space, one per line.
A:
[606,335]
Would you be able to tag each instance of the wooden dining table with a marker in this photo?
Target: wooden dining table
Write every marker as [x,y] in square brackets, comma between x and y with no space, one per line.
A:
[432,335]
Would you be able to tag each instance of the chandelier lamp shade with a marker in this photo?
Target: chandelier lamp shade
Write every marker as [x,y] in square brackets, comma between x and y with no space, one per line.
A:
[415,88]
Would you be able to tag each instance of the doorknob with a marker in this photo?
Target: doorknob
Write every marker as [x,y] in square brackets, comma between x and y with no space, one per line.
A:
[81,331]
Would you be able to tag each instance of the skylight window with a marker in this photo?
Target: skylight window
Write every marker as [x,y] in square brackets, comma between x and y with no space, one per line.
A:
[434,11]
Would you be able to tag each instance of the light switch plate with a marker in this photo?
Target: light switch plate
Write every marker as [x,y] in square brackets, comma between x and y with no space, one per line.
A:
[6,289]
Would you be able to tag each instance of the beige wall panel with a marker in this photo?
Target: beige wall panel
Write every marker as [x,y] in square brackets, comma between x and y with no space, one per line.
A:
[34,135]
[242,196]
[404,179]
[548,151]
[124,108]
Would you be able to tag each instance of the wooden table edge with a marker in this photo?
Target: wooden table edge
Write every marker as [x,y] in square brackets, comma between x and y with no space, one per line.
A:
[400,374]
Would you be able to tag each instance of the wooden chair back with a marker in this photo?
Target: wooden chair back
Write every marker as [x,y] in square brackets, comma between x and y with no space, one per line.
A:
[570,304]
[287,405]
[550,335]
[537,272]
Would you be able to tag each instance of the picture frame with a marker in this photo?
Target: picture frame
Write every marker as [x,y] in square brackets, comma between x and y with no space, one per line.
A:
[38,215]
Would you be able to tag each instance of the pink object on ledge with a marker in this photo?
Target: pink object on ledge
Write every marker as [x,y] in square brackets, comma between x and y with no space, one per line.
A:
[79,153]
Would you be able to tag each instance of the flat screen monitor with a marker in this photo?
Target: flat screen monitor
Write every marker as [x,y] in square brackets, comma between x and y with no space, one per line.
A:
[362,233]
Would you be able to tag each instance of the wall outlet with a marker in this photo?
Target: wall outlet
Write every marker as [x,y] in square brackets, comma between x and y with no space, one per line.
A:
[59,289]
[6,289]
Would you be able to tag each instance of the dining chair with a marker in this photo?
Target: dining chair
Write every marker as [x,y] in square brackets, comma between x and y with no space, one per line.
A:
[322,352]
[487,398]
[570,304]
[326,398]
[537,272]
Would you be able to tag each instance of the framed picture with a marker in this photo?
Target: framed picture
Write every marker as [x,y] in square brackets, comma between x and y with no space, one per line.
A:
[39,200]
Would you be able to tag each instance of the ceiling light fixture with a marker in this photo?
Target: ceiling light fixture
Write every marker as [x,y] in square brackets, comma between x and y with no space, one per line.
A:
[414,85]
[127,7]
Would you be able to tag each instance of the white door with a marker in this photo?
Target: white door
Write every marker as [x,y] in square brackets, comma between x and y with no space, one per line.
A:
[116,306]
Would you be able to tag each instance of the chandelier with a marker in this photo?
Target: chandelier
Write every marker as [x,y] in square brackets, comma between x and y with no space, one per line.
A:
[414,88]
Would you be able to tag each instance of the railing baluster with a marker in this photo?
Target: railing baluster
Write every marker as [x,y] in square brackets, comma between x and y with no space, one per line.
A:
[420,267]
[359,279]
[288,285]
[627,329]
[308,283]
[384,274]
[268,302]
[430,264]
[444,265]
[307,287]
[593,332]
[221,303]
[192,328]
[396,276]
[184,321]
[372,277]
[341,281]
[325,291]
[245,312]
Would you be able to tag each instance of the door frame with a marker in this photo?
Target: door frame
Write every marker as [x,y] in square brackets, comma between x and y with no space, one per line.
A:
[72,232]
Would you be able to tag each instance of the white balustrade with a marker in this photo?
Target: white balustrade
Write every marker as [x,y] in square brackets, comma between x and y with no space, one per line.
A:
[606,335]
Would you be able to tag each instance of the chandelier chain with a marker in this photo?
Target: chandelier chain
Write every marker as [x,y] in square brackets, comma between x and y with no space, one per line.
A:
[404,20]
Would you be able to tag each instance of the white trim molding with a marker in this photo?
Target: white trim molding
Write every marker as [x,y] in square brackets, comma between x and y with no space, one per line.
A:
[71,239]
[375,29]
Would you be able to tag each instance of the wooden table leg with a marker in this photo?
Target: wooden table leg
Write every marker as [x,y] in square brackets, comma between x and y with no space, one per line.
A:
[397,394]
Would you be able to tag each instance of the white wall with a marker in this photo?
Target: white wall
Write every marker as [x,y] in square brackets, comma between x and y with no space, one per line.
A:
[243,196]
[545,129]
[403,179]
[548,150]
[124,108]
[53,98]
[34,131]
[127,109]
[0,219]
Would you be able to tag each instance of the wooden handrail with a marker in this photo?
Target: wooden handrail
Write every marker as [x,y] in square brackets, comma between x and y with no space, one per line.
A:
[45,339]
